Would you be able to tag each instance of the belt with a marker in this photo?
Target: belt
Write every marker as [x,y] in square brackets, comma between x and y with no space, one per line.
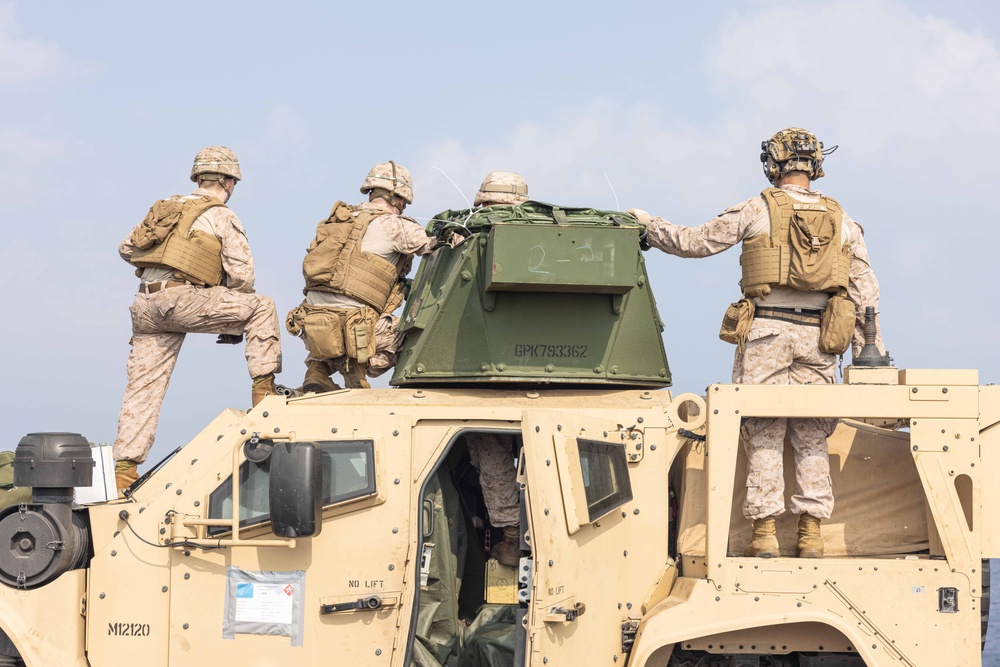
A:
[806,316]
[153,288]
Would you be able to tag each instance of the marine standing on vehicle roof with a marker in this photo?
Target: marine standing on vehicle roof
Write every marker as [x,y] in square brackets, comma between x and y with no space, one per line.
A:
[492,453]
[196,275]
[806,282]
[354,270]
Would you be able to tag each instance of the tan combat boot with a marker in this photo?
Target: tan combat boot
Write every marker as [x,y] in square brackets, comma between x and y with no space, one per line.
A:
[764,542]
[317,379]
[508,552]
[126,473]
[262,386]
[810,540]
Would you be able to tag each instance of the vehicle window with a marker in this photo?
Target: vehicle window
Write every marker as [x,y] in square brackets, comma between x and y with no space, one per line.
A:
[605,476]
[348,473]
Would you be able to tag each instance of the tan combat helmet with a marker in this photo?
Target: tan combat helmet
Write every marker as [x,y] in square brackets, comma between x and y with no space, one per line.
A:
[216,160]
[502,187]
[793,149]
[392,177]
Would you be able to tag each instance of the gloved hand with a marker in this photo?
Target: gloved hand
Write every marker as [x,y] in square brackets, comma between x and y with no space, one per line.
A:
[229,339]
[452,233]
[643,241]
[640,215]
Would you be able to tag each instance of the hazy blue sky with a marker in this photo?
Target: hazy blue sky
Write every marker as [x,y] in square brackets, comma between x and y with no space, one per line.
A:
[105,104]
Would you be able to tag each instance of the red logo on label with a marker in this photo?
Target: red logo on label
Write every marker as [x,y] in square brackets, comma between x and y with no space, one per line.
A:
[289,590]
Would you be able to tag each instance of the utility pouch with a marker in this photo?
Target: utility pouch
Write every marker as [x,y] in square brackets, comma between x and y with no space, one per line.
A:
[359,328]
[837,325]
[736,322]
[324,334]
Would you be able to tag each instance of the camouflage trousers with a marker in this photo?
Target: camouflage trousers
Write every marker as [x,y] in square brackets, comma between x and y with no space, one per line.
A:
[779,352]
[159,323]
[388,342]
[493,457]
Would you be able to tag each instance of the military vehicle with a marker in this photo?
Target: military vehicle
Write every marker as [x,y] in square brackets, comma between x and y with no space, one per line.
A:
[348,528]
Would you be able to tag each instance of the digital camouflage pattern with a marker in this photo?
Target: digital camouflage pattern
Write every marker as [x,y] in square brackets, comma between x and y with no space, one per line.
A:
[161,320]
[388,342]
[216,160]
[492,455]
[392,177]
[778,352]
[750,218]
[502,187]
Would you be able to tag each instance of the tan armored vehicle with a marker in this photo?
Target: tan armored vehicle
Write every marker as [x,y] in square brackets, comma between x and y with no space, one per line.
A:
[348,528]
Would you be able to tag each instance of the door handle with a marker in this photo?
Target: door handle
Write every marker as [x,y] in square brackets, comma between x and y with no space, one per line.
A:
[367,603]
[559,614]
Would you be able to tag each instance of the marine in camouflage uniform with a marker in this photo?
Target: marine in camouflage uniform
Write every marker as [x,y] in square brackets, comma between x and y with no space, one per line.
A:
[782,346]
[392,237]
[168,306]
[492,453]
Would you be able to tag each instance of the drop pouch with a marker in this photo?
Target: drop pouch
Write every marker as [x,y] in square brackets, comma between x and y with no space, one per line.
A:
[837,325]
[736,322]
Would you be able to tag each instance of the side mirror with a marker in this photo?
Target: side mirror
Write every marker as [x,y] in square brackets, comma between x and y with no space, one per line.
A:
[296,483]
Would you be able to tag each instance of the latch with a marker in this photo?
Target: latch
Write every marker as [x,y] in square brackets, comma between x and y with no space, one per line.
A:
[948,600]
[524,570]
[629,631]
[559,614]
[367,603]
[425,564]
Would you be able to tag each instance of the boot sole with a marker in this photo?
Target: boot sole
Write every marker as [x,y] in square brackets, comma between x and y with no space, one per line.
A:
[310,388]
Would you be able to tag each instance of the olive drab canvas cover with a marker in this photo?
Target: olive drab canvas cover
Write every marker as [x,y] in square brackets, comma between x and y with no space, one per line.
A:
[482,311]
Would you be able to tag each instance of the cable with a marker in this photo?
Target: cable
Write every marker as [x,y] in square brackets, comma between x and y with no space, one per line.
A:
[123,515]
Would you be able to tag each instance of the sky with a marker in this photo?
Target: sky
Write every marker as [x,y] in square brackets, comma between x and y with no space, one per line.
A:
[104,107]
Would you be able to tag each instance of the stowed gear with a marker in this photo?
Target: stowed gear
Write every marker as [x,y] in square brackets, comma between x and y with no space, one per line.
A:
[793,149]
[216,160]
[502,187]
[392,177]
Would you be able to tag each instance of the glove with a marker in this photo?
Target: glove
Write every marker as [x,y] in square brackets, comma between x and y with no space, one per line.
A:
[640,215]
[643,242]
[229,339]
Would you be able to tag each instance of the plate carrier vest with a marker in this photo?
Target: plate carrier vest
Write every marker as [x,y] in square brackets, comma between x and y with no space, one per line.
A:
[164,240]
[336,263]
[803,250]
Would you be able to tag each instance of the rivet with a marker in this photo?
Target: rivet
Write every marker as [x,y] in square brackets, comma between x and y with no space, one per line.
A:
[391,567]
[395,530]
[639,420]
[628,605]
[187,575]
[756,599]
[944,390]
[265,414]
[915,448]
[102,596]
[737,412]
[945,448]
[551,563]
[545,661]
[163,531]
[277,429]
[548,462]
[546,511]
[625,554]
[624,515]
[537,429]
[187,552]
[180,491]
[652,448]
[635,511]
[914,390]
[333,430]
[395,433]
[185,626]
[197,503]
[243,431]
[717,598]
[378,651]
[114,553]
[164,589]
[558,427]
[395,481]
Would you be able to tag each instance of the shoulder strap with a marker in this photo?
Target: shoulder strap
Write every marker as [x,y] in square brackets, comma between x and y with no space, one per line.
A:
[775,199]
[193,209]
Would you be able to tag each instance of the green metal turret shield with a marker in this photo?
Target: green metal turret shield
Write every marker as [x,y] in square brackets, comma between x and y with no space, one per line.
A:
[537,294]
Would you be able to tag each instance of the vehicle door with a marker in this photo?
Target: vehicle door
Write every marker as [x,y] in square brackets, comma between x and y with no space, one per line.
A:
[597,503]
[333,598]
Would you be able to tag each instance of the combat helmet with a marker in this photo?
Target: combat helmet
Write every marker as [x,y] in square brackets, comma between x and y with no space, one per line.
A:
[502,187]
[392,177]
[793,149]
[216,160]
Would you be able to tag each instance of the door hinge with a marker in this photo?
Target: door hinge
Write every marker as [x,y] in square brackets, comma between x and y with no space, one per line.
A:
[629,631]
